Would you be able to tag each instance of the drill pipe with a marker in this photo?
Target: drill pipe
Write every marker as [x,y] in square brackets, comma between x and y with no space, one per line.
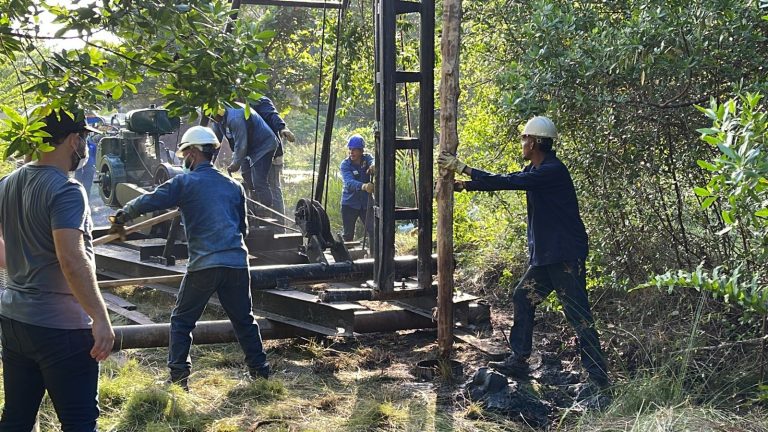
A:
[268,277]
[213,332]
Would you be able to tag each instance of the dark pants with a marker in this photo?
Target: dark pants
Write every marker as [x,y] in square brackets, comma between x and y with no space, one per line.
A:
[569,281]
[349,217]
[260,180]
[36,359]
[276,188]
[233,286]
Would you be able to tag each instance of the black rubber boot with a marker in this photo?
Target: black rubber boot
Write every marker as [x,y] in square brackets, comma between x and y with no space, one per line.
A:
[514,366]
[259,372]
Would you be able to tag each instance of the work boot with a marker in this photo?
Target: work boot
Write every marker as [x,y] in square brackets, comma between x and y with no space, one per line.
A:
[514,365]
[182,382]
[259,372]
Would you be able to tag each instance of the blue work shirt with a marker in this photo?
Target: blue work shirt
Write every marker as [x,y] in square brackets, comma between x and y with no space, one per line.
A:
[266,109]
[252,137]
[354,177]
[91,142]
[555,230]
[213,212]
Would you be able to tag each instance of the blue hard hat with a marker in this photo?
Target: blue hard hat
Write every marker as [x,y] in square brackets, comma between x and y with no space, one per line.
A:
[355,142]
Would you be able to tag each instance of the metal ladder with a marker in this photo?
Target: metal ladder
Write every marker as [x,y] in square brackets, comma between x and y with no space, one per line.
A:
[388,143]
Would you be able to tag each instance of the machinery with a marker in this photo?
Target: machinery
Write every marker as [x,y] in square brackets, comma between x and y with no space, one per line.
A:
[136,155]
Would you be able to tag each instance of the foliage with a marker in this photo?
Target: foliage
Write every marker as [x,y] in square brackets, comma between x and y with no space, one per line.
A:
[185,46]
[740,173]
[751,294]
[739,183]
[620,80]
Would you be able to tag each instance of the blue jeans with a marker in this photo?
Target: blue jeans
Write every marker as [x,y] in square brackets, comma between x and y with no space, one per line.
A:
[260,179]
[569,281]
[349,217]
[36,359]
[233,286]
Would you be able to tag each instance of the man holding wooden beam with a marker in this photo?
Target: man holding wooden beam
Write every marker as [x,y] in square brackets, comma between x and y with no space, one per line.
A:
[213,211]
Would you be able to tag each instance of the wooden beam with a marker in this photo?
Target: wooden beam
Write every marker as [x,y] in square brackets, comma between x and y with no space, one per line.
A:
[137,227]
[141,281]
[134,316]
[449,141]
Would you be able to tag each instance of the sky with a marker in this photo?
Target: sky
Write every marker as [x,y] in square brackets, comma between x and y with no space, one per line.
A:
[48,28]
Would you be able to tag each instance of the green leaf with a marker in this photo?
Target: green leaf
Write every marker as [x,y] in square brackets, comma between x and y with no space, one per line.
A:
[117,92]
[762,213]
[706,165]
[708,131]
[707,203]
[701,192]
[727,151]
[107,85]
[266,34]
[726,215]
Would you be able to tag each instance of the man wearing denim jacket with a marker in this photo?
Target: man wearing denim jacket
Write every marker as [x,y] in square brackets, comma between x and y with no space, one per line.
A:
[254,145]
[218,257]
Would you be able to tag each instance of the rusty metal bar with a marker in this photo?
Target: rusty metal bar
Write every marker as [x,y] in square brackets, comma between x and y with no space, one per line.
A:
[212,332]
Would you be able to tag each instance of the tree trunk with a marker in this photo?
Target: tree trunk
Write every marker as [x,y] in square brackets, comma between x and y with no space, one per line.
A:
[449,141]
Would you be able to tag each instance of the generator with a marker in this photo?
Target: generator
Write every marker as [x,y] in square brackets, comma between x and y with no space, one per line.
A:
[136,155]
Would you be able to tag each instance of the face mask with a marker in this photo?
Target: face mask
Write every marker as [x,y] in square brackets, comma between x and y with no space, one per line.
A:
[79,156]
[187,165]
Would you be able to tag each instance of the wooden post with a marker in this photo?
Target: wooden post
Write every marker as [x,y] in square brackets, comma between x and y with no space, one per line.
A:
[449,141]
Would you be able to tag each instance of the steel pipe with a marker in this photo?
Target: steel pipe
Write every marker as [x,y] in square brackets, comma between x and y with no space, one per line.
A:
[213,332]
[268,277]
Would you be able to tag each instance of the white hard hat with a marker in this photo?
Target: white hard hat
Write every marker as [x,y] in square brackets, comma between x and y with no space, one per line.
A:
[198,136]
[540,126]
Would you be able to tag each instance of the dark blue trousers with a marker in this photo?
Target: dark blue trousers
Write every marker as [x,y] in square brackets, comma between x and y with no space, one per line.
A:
[233,286]
[36,359]
[349,217]
[260,180]
[569,281]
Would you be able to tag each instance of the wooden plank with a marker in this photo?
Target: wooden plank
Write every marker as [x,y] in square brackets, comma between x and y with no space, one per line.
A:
[141,281]
[118,301]
[135,316]
[137,227]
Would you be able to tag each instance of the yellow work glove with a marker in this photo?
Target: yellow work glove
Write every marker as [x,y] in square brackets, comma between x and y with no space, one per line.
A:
[450,162]
[368,187]
[118,221]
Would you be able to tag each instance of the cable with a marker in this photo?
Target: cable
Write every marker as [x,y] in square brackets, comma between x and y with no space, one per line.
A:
[319,90]
[271,210]
[267,221]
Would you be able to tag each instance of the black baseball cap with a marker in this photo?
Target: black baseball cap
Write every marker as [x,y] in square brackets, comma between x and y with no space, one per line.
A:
[60,124]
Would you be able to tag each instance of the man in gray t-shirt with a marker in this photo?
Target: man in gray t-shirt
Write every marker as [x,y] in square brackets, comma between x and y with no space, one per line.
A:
[55,326]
